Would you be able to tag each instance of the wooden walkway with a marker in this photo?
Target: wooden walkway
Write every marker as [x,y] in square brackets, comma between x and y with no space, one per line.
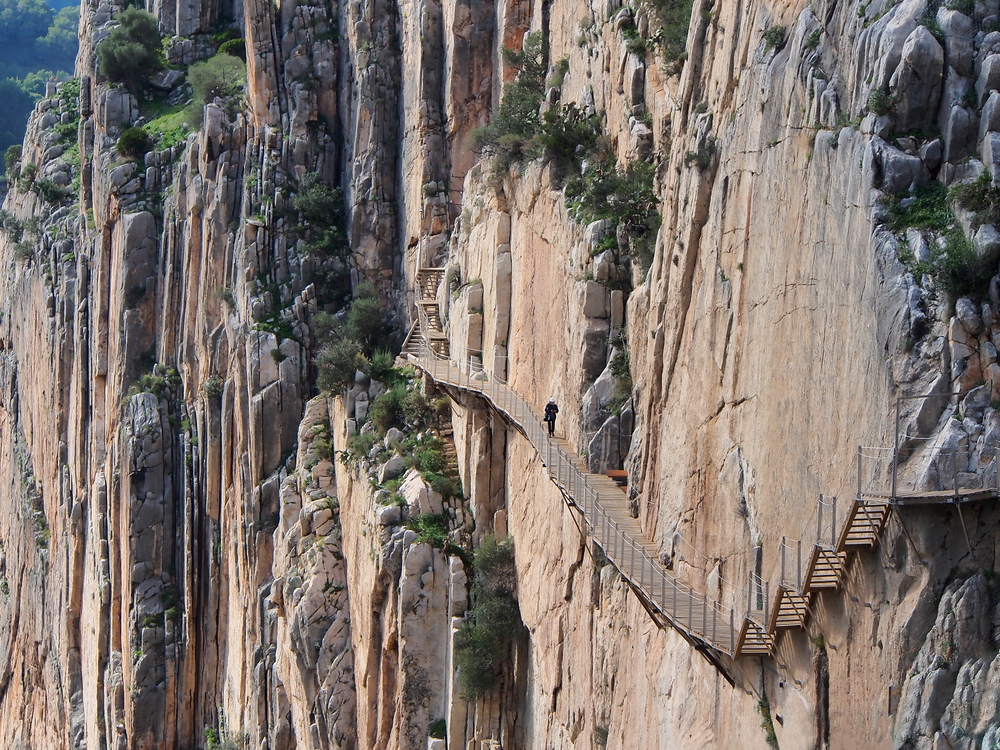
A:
[805,568]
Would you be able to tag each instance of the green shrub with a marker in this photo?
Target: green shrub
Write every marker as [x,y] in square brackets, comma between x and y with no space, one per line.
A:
[12,161]
[317,201]
[957,267]
[515,122]
[24,251]
[322,207]
[348,342]
[235,48]
[134,143]
[812,41]
[48,191]
[926,209]
[431,528]
[775,38]
[566,134]
[380,364]
[675,20]
[447,486]
[981,197]
[387,410]
[221,76]
[880,102]
[130,54]
[626,197]
[338,359]
[213,387]
[438,729]
[27,177]
[494,619]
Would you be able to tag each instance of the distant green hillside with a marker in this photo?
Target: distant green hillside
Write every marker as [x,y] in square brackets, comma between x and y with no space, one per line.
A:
[37,41]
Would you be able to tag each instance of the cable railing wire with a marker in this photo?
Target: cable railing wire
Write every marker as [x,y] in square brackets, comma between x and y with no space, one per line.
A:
[691,611]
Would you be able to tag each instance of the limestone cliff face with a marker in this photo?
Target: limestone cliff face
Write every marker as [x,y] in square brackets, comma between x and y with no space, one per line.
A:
[180,548]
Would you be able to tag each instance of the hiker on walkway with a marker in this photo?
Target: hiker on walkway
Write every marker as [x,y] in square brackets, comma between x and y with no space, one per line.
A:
[550,415]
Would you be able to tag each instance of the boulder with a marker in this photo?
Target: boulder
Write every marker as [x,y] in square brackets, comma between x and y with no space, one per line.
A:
[641,139]
[595,347]
[388,515]
[391,469]
[595,399]
[918,245]
[916,83]
[604,449]
[166,80]
[595,300]
[989,77]
[990,151]
[931,153]
[989,118]
[594,233]
[968,316]
[987,245]
[959,35]
[958,130]
[323,521]
[897,171]
[893,32]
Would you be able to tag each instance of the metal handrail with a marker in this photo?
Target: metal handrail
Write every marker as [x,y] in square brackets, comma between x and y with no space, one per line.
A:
[690,611]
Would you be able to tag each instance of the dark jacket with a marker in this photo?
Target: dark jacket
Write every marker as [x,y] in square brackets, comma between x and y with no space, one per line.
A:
[550,412]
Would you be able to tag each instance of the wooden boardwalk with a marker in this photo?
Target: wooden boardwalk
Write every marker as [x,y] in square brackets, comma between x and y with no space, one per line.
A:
[805,568]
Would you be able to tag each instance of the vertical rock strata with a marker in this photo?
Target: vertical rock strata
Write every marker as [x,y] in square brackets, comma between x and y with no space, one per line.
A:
[193,551]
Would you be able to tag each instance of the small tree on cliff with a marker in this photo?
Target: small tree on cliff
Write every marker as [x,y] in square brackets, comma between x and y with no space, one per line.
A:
[494,618]
[349,341]
[131,53]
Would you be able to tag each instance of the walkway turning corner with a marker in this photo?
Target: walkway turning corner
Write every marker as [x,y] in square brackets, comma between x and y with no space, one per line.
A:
[805,569]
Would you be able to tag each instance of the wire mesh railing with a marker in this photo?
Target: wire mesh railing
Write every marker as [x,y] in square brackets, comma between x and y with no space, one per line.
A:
[914,464]
[689,610]
[923,468]
[791,564]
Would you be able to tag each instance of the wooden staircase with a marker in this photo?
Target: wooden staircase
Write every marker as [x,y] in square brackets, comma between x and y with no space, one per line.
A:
[825,570]
[427,327]
[754,639]
[864,525]
[818,566]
